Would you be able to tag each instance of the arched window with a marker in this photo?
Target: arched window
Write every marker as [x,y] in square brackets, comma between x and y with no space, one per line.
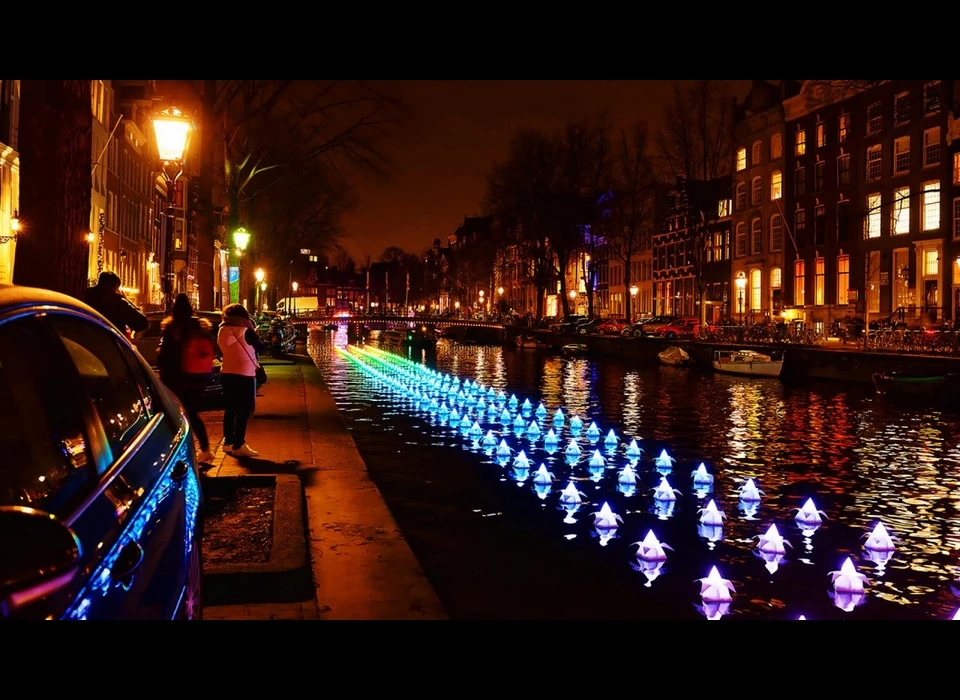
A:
[757,154]
[776,146]
[776,185]
[756,289]
[757,194]
[776,233]
[741,239]
[756,237]
[776,289]
[741,196]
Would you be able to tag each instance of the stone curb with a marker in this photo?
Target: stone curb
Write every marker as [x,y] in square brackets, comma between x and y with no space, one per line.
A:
[287,576]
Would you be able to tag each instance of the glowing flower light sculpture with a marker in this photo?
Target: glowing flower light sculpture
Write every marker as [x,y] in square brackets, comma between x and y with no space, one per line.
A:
[848,579]
[504,450]
[772,542]
[558,418]
[521,461]
[576,425]
[749,493]
[702,479]
[879,540]
[651,549]
[711,516]
[542,476]
[627,476]
[716,589]
[550,439]
[633,450]
[664,463]
[571,496]
[489,440]
[573,449]
[593,432]
[533,430]
[610,442]
[809,515]
[597,461]
[541,411]
[606,519]
[664,491]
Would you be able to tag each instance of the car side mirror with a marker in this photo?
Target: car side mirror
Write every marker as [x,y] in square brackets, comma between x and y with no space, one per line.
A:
[39,556]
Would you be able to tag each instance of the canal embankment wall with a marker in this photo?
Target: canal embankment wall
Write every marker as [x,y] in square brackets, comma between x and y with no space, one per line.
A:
[800,361]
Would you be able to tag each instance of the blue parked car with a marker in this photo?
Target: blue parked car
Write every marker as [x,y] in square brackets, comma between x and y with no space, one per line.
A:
[100,502]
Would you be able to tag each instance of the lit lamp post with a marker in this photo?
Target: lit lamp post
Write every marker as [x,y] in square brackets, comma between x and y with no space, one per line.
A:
[259,275]
[634,290]
[14,228]
[173,129]
[241,239]
[741,282]
[481,299]
[263,295]
[296,286]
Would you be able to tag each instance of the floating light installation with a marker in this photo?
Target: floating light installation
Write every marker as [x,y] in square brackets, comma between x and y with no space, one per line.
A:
[464,406]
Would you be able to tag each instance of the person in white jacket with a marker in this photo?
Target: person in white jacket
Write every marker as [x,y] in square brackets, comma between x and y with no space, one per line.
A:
[241,347]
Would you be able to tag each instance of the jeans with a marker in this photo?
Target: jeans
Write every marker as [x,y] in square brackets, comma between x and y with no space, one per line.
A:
[240,396]
[190,398]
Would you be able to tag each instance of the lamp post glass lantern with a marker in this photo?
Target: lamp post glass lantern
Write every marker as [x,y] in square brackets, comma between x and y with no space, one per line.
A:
[741,282]
[634,290]
[173,129]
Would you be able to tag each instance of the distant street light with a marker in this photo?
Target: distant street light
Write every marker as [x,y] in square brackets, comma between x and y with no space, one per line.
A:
[296,286]
[259,274]
[173,129]
[263,295]
[634,290]
[573,294]
[741,282]
[14,228]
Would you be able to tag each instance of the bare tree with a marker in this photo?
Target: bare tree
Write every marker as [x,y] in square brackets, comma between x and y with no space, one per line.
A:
[584,160]
[304,210]
[56,129]
[342,259]
[519,198]
[695,151]
[393,254]
[632,208]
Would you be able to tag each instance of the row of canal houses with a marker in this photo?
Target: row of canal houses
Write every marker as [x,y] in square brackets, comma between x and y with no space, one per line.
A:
[843,200]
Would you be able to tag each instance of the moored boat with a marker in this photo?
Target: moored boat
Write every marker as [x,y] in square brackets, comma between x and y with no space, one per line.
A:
[926,386]
[525,342]
[574,349]
[674,356]
[746,363]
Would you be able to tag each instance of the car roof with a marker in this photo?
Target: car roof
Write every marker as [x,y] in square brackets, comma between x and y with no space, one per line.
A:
[14,295]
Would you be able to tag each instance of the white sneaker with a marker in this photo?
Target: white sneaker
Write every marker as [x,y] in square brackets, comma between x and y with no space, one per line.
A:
[244,451]
[205,457]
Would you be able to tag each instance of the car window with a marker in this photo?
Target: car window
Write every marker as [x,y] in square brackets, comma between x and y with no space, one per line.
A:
[44,460]
[122,399]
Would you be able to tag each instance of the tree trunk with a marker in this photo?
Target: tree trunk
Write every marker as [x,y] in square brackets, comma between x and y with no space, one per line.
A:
[627,280]
[588,282]
[563,286]
[56,132]
[207,225]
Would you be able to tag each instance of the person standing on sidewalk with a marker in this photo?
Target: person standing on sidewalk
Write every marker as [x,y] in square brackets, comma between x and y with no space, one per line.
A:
[185,359]
[241,347]
[107,297]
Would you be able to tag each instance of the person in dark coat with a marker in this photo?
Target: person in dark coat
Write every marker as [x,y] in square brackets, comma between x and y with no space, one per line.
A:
[108,299]
[178,329]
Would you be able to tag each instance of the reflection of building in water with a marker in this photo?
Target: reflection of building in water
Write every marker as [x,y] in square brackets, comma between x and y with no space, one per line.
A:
[576,388]
[632,417]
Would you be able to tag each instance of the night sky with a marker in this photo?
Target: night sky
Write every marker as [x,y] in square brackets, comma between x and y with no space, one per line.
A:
[456,129]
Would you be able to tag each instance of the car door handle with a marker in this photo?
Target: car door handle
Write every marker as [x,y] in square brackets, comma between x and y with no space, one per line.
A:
[180,471]
[126,565]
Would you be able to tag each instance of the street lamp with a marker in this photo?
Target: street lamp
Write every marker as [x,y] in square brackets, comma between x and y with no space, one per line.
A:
[634,290]
[259,275]
[296,286]
[741,282]
[500,291]
[14,228]
[263,295]
[172,128]
[241,238]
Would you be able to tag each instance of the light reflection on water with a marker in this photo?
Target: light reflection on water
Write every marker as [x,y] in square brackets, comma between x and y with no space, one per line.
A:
[861,459]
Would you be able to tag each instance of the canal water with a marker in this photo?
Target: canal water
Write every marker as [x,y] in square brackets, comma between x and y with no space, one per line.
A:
[498,548]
